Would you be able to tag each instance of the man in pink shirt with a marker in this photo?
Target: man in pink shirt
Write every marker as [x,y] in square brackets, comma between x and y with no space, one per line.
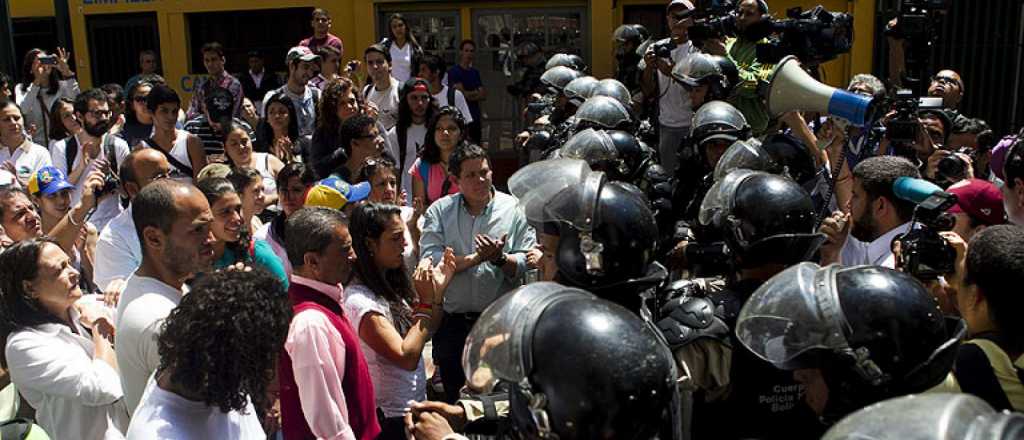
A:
[321,36]
[326,389]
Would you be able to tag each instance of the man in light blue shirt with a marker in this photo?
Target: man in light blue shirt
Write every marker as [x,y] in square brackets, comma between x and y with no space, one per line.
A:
[493,245]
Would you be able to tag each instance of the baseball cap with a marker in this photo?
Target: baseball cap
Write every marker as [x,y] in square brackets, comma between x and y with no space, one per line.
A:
[999,153]
[301,53]
[674,3]
[979,199]
[333,192]
[219,103]
[47,181]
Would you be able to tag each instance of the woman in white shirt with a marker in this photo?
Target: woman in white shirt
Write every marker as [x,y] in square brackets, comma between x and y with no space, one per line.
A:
[64,365]
[238,321]
[405,51]
[394,319]
[45,78]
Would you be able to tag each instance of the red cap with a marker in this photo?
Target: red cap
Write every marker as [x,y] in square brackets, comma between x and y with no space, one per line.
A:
[979,199]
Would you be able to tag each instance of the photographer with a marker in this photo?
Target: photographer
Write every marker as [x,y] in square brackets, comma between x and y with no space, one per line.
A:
[988,274]
[865,234]
[673,104]
[751,20]
[93,147]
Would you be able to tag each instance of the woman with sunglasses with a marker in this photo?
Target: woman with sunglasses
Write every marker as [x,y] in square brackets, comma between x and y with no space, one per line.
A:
[431,179]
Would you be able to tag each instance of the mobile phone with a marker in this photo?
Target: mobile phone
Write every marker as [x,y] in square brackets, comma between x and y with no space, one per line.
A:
[50,60]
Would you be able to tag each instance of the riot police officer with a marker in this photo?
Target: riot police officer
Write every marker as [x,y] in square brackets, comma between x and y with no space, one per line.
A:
[706,78]
[767,223]
[853,336]
[570,358]
[604,112]
[597,234]
[570,60]
[629,38]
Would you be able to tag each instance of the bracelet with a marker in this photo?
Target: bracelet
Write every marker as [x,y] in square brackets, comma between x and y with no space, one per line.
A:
[422,306]
[71,219]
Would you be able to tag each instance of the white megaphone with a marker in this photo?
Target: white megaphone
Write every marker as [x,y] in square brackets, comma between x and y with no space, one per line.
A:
[790,88]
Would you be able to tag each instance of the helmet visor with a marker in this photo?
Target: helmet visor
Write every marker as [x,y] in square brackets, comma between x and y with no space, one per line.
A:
[591,146]
[496,347]
[537,184]
[794,312]
[717,202]
[742,155]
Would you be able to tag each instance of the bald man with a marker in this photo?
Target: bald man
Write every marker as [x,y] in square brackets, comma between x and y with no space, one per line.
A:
[118,253]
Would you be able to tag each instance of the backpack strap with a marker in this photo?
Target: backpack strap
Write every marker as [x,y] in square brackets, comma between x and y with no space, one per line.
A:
[403,135]
[425,175]
[366,91]
[174,162]
[70,152]
[451,98]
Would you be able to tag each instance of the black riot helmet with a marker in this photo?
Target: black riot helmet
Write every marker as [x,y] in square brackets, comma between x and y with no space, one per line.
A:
[556,78]
[780,154]
[930,416]
[718,120]
[579,89]
[570,60]
[765,218]
[717,72]
[617,153]
[631,33]
[613,88]
[603,112]
[579,367]
[607,231]
[873,333]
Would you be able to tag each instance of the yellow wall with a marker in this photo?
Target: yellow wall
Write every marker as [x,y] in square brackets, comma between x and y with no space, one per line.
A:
[31,8]
[355,22]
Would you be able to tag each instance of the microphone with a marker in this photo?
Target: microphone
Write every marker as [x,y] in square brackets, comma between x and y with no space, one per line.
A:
[923,193]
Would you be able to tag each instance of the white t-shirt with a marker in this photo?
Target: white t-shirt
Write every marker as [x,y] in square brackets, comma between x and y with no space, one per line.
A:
[414,138]
[143,306]
[393,385]
[460,103]
[118,252]
[674,103]
[28,158]
[386,102]
[164,415]
[110,205]
[401,62]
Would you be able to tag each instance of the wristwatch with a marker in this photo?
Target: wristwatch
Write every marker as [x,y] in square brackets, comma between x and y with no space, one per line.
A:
[500,260]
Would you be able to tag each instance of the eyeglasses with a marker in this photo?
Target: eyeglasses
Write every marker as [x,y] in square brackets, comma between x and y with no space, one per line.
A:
[946,80]
[101,113]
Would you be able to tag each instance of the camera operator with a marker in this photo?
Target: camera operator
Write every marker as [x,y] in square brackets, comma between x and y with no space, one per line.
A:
[1013,188]
[986,282]
[673,104]
[864,235]
[751,20]
[93,147]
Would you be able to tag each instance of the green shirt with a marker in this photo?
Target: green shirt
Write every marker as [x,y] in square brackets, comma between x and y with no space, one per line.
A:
[744,97]
[263,256]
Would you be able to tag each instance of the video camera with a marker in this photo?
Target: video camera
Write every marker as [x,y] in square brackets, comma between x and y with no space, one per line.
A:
[713,19]
[917,22]
[814,36]
[923,252]
[903,127]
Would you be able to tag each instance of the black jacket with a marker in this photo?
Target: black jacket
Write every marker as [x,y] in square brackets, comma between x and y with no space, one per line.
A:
[256,94]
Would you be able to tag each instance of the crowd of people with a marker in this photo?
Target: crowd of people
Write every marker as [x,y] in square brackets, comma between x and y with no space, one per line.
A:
[317,256]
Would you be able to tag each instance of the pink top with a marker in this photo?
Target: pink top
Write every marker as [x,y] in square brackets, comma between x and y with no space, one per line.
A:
[330,40]
[435,181]
[317,352]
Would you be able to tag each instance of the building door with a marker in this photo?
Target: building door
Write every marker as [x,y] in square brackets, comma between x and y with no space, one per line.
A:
[115,42]
[497,34]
